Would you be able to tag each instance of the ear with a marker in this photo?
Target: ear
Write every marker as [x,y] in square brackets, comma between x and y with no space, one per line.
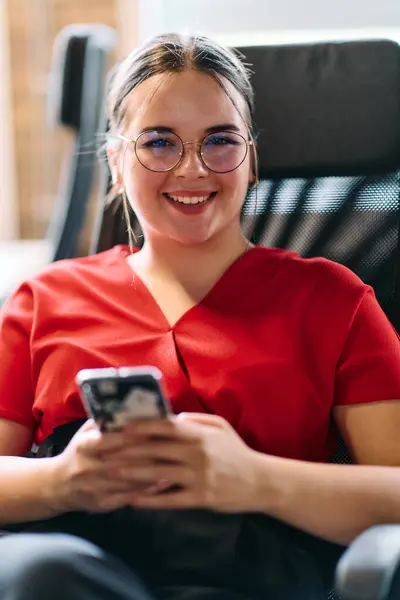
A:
[113,161]
[253,166]
[252,179]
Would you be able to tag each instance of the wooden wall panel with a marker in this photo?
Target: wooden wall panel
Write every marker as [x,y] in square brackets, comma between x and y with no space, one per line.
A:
[33,26]
[8,209]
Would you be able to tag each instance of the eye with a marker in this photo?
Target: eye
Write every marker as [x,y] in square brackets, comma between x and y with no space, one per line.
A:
[158,143]
[224,139]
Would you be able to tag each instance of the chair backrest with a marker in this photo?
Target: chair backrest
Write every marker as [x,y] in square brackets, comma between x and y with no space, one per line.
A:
[328,117]
[329,146]
[77,82]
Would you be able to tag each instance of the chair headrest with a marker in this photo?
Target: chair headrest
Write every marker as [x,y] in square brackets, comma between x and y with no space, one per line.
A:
[327,108]
[71,66]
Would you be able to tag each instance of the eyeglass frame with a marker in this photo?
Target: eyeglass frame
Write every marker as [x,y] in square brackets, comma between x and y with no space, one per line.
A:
[182,154]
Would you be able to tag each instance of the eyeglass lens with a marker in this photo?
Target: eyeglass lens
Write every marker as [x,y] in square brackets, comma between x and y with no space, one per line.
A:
[161,151]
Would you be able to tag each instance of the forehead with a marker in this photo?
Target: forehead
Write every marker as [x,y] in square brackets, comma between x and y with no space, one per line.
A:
[189,100]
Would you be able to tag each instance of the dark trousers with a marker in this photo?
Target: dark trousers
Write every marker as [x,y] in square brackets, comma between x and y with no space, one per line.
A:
[161,555]
[126,555]
[64,567]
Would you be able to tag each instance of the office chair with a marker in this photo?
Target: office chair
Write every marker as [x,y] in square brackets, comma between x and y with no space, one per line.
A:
[80,66]
[328,118]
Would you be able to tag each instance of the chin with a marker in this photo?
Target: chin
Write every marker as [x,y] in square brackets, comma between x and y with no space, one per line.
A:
[192,241]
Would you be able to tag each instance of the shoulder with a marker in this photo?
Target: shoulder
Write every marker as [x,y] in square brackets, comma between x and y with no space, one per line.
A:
[96,266]
[320,277]
[65,278]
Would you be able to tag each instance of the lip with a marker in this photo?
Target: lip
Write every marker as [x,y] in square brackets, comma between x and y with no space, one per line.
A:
[190,193]
[190,209]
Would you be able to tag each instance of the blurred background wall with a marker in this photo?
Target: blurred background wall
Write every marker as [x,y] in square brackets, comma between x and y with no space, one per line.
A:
[8,195]
[30,148]
[264,21]
[33,26]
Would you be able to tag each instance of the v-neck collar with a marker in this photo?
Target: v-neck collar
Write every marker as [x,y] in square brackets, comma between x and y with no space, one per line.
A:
[138,283]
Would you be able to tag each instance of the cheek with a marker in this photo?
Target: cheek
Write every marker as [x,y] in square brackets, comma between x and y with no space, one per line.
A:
[142,185]
[236,183]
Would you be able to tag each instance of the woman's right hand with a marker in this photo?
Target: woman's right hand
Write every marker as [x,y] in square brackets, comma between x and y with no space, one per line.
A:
[81,479]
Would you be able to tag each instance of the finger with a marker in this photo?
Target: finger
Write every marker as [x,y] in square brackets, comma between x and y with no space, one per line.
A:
[202,419]
[114,501]
[156,451]
[109,486]
[152,428]
[177,475]
[95,443]
[174,500]
[105,487]
[88,425]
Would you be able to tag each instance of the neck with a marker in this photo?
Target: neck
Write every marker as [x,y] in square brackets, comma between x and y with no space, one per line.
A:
[191,265]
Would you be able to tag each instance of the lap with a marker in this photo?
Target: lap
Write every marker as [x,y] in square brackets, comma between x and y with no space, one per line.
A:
[63,566]
[54,558]
[179,552]
[22,551]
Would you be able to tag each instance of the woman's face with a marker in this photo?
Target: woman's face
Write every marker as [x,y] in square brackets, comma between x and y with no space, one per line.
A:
[189,104]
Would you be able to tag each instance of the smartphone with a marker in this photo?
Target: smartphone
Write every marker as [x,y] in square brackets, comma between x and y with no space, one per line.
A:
[115,397]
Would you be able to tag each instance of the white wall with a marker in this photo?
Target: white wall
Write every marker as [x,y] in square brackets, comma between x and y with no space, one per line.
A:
[253,20]
[8,207]
[127,25]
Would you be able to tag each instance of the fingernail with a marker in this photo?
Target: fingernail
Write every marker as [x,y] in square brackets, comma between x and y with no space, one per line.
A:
[151,489]
[181,415]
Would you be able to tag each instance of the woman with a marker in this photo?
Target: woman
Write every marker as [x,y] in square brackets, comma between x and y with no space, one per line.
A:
[262,354]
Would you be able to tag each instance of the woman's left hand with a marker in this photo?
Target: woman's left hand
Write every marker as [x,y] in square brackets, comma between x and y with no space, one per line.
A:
[200,455]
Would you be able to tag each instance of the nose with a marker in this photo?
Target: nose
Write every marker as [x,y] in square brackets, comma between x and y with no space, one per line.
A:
[191,164]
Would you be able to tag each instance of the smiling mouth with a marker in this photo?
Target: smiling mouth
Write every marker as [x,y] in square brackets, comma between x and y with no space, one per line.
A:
[190,200]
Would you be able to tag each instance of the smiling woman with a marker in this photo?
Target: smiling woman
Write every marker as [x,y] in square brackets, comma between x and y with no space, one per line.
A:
[258,373]
[208,157]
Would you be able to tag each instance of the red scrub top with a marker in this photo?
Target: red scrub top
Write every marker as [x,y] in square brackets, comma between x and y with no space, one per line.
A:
[273,347]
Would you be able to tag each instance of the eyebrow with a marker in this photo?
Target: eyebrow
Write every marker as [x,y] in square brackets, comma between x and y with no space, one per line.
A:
[213,129]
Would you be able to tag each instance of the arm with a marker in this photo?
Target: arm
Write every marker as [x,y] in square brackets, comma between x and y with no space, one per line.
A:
[26,490]
[35,489]
[78,479]
[335,502]
[338,502]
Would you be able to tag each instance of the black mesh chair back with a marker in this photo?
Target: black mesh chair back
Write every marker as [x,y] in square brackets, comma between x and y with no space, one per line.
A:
[329,144]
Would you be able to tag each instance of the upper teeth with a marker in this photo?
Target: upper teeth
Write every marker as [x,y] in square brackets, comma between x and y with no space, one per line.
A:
[189,199]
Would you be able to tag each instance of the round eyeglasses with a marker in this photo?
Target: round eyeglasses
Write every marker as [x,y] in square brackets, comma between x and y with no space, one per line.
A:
[161,151]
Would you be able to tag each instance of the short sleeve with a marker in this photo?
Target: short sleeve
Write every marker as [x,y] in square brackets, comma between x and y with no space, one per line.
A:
[369,366]
[16,393]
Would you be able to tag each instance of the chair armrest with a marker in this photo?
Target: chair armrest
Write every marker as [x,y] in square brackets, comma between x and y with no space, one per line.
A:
[368,567]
